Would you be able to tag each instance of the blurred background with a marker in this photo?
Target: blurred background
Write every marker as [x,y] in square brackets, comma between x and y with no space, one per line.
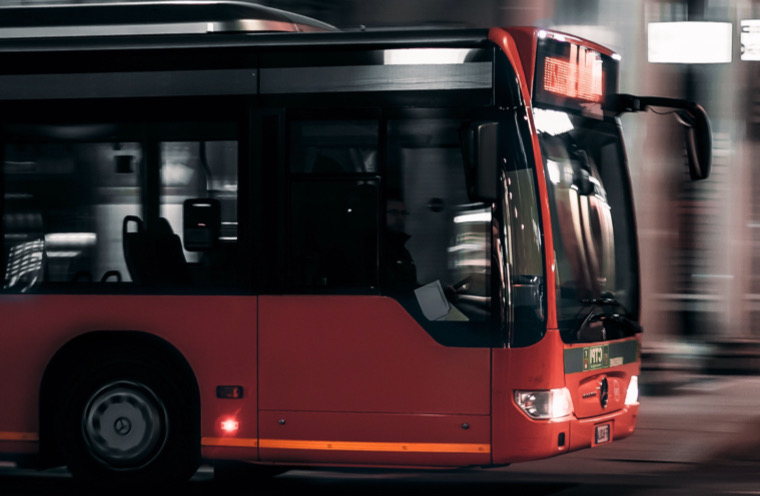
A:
[699,242]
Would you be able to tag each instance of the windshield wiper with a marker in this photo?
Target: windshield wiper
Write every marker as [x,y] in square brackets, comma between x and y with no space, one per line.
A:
[590,332]
[607,299]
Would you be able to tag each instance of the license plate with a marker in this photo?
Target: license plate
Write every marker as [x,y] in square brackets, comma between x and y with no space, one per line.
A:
[602,434]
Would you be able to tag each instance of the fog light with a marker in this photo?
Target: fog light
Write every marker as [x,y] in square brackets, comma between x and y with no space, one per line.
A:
[544,405]
[632,395]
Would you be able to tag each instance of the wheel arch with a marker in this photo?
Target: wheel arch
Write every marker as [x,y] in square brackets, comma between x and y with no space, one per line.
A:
[97,346]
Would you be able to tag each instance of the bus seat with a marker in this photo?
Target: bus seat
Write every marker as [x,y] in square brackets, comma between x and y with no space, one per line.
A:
[154,254]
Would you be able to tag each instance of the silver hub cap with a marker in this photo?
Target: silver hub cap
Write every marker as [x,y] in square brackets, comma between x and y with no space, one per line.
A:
[124,425]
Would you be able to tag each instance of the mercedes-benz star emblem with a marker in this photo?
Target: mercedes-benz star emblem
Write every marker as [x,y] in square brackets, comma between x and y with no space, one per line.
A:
[122,426]
[604,392]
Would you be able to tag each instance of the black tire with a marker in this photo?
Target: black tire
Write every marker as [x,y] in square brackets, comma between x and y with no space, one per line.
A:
[127,421]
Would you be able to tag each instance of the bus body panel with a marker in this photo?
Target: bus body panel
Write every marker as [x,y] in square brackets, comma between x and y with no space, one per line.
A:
[377,439]
[519,46]
[359,369]
[54,320]
[519,438]
[515,436]
[615,362]
[607,383]
[622,424]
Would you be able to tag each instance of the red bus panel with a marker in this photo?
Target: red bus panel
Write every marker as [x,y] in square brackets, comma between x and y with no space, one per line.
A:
[354,379]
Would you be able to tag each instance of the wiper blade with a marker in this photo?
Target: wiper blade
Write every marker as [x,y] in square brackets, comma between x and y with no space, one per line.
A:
[626,321]
[603,327]
[619,319]
[606,299]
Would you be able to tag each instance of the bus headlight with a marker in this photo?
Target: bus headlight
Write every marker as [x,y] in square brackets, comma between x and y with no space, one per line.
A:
[544,405]
[632,395]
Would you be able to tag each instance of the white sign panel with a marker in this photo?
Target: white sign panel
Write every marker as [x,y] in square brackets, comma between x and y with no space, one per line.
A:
[750,39]
[689,42]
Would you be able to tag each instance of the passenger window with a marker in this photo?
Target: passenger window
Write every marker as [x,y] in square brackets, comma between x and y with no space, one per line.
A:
[63,206]
[334,204]
[202,176]
[195,169]
[74,213]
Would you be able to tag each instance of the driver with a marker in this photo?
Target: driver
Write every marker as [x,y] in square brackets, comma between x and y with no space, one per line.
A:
[399,271]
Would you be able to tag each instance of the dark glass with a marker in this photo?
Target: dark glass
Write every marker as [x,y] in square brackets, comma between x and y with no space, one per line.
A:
[74,211]
[593,225]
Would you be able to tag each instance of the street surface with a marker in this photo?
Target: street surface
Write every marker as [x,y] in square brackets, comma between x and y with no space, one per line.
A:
[697,435]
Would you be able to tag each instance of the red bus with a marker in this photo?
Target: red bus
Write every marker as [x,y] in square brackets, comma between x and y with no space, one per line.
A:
[239,236]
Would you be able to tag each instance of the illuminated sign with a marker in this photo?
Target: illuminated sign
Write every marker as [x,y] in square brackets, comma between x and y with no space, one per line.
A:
[571,76]
[689,42]
[750,39]
[580,76]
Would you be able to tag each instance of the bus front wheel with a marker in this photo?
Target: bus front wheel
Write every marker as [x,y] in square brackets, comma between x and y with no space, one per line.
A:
[127,421]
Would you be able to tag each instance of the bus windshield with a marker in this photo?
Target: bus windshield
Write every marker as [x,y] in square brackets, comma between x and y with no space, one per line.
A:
[592,226]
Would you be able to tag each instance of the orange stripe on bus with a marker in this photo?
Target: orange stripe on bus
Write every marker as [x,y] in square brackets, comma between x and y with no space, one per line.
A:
[368,446]
[300,444]
[229,441]
[19,436]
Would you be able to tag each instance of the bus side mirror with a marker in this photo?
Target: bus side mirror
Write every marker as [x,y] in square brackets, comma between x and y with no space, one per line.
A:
[691,116]
[480,148]
[698,140]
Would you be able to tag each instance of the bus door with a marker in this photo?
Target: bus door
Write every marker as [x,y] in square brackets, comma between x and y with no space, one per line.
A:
[352,369]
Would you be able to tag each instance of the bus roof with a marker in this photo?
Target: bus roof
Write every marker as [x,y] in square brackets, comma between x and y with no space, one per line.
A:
[149,18]
[192,24]
[184,26]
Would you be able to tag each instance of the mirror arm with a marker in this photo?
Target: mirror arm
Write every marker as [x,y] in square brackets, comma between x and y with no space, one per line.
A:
[624,102]
[690,115]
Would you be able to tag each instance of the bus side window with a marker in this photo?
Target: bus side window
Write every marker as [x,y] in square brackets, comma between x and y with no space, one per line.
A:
[63,207]
[334,204]
[199,199]
[334,234]
[448,235]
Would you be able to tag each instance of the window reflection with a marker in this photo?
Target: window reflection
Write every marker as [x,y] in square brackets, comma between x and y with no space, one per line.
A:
[334,147]
[594,236]
[199,169]
[406,227]
[584,221]
[69,197]
[24,266]
[73,210]
[449,237]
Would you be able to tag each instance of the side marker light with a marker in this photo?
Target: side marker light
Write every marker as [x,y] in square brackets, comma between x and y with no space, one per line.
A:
[230,426]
